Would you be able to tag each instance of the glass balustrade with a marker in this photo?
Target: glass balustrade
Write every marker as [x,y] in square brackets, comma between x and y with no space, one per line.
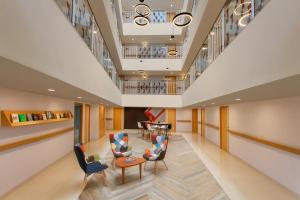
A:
[234,17]
[152,52]
[156,16]
[79,13]
[153,87]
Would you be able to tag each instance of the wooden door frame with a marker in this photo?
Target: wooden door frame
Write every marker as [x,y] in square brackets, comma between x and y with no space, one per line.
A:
[81,120]
[174,121]
[87,123]
[224,123]
[102,120]
[194,120]
[203,122]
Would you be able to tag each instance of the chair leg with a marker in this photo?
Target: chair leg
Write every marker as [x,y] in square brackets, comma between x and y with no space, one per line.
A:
[85,179]
[113,163]
[165,164]
[104,178]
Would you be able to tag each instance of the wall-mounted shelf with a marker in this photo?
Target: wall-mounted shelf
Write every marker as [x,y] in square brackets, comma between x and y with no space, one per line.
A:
[6,118]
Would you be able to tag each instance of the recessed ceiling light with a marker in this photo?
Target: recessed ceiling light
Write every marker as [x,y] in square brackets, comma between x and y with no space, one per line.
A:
[132,39]
[204,48]
[212,33]
[95,32]
[237,99]
[51,90]
[133,6]
[79,97]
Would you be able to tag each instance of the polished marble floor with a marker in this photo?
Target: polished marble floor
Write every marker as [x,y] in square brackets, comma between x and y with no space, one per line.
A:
[237,179]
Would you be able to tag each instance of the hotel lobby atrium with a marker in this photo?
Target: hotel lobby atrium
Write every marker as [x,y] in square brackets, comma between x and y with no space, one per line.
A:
[149,100]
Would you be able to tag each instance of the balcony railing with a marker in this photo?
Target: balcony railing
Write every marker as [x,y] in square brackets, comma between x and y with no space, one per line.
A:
[152,52]
[234,17]
[152,87]
[157,16]
[81,17]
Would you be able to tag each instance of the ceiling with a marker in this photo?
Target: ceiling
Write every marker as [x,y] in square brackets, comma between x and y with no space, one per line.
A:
[154,39]
[168,5]
[17,76]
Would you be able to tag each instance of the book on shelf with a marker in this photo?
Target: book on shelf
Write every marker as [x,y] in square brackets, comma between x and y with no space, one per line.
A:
[57,116]
[35,117]
[14,118]
[44,116]
[29,117]
[22,118]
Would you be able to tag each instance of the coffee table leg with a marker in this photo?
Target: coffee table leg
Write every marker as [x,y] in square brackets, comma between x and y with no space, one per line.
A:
[141,171]
[123,175]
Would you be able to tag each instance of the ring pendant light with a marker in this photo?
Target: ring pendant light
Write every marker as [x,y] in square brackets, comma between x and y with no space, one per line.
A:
[142,9]
[138,20]
[182,14]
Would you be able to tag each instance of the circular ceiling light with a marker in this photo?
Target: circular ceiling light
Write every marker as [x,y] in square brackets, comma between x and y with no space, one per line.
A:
[172,52]
[243,21]
[142,9]
[182,19]
[141,20]
[239,9]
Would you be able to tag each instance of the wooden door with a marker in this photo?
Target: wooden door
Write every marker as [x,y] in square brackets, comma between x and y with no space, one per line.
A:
[102,126]
[171,84]
[117,118]
[203,122]
[171,115]
[224,128]
[195,120]
[87,122]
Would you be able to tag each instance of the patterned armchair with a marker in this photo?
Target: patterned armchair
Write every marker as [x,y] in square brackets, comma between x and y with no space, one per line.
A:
[158,150]
[119,145]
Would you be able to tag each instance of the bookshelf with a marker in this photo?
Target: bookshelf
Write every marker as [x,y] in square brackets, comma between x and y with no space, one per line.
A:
[6,118]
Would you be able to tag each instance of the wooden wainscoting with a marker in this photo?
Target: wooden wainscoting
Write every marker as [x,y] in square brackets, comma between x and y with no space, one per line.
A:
[266,142]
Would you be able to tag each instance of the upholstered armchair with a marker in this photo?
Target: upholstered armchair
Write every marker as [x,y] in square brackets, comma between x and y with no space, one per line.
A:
[158,150]
[91,167]
[119,146]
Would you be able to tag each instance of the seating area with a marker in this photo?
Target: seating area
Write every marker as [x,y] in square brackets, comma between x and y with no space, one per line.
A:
[123,155]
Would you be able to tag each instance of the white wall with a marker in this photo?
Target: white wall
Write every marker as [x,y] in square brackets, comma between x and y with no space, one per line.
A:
[212,116]
[94,126]
[151,29]
[184,114]
[257,56]
[42,39]
[273,120]
[18,164]
[152,64]
[159,101]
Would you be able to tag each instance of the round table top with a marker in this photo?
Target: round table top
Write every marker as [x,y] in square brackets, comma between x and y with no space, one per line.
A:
[121,162]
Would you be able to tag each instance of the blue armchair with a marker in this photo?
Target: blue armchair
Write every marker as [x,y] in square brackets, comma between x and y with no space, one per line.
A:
[88,168]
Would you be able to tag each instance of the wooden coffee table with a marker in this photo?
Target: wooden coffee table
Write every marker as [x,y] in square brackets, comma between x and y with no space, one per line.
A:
[120,162]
